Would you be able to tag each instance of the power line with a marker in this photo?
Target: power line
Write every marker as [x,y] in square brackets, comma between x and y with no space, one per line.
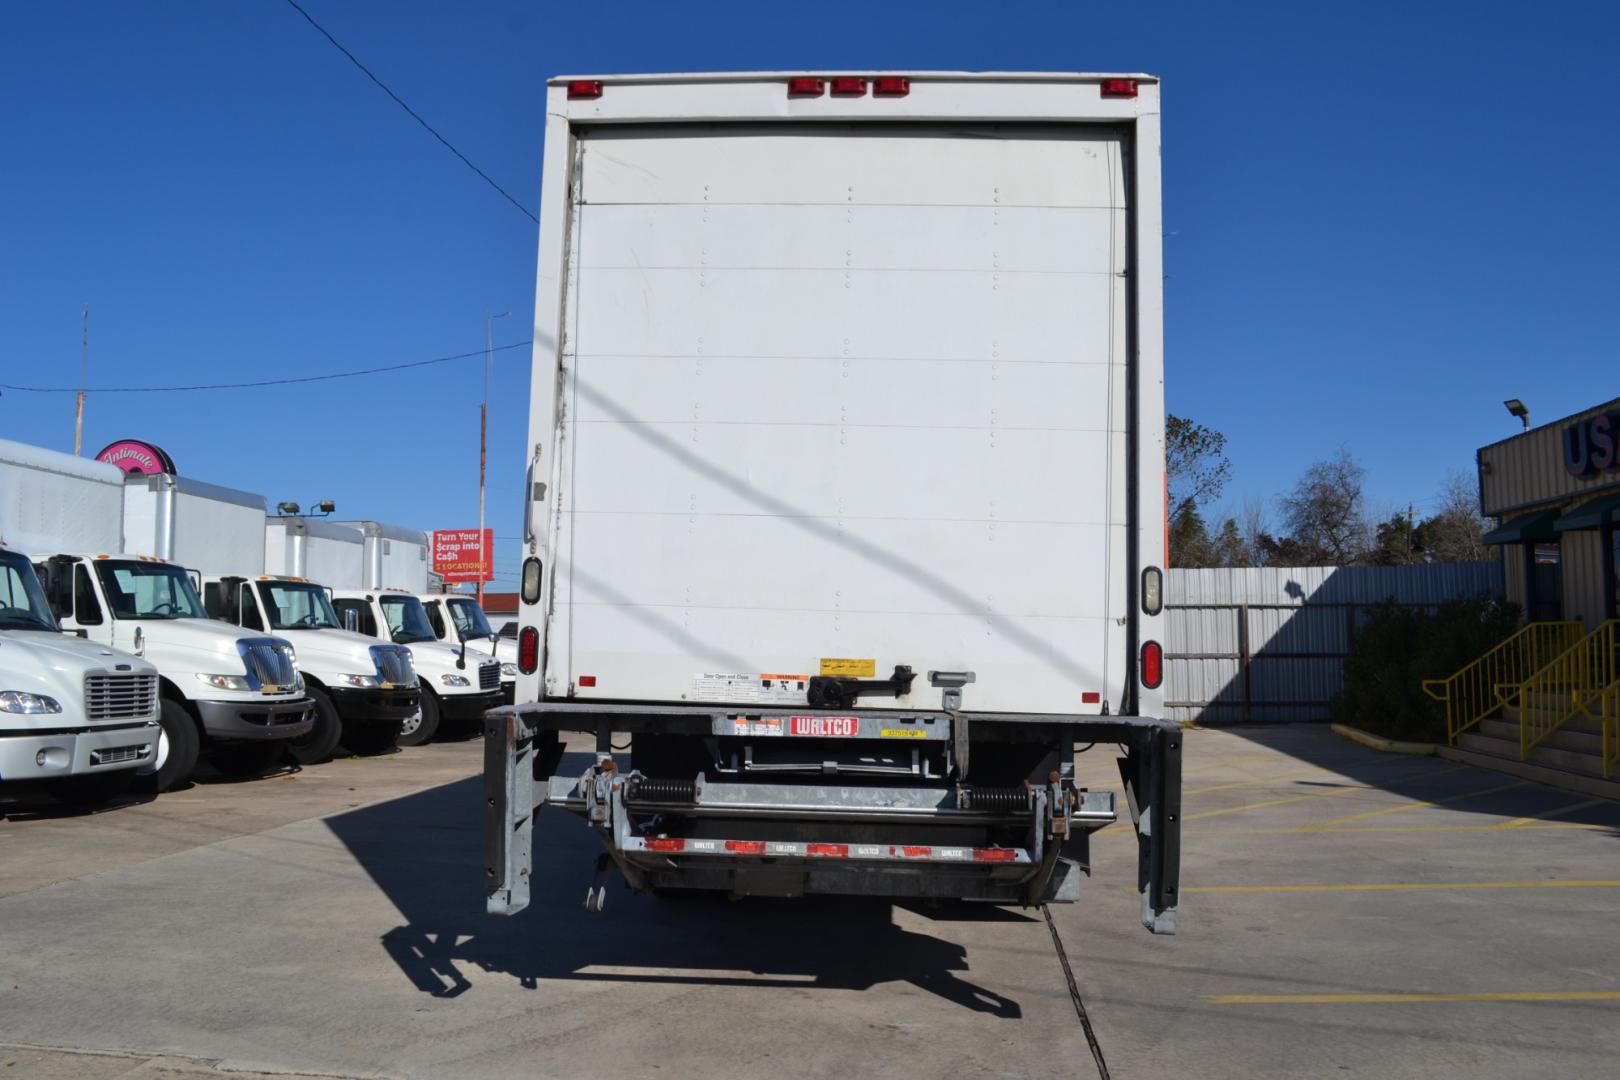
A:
[338,45]
[261,382]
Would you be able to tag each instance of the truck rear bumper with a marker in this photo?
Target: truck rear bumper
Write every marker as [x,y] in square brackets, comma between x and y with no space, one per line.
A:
[256,721]
[35,755]
[922,836]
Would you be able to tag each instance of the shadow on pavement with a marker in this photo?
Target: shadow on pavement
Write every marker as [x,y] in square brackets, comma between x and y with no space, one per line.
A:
[424,852]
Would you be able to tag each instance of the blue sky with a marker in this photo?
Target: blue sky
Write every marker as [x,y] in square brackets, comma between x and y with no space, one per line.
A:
[1383,218]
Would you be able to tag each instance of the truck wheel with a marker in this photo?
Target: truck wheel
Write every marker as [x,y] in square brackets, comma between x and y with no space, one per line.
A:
[243,761]
[177,750]
[93,790]
[420,728]
[317,746]
[371,738]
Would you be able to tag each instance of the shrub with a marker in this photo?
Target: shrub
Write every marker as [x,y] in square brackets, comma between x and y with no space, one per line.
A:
[1396,648]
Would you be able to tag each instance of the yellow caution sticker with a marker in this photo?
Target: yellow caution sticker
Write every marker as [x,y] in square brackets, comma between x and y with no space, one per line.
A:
[903,733]
[852,669]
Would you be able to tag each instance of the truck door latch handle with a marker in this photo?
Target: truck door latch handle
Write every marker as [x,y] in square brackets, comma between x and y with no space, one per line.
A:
[838,692]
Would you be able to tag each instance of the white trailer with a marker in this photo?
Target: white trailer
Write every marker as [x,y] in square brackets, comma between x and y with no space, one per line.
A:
[322,551]
[845,484]
[201,526]
[394,557]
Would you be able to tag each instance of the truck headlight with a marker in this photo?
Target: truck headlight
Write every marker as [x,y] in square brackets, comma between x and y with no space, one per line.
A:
[226,682]
[509,671]
[365,682]
[455,680]
[21,701]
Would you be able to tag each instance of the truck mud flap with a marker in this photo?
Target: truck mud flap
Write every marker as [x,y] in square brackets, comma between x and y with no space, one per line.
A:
[1151,771]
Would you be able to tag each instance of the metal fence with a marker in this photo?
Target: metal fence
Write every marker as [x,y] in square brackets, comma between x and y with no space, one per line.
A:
[1268,643]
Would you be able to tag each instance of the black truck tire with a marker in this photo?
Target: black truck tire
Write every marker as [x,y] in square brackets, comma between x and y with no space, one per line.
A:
[179,744]
[323,738]
[243,761]
[425,724]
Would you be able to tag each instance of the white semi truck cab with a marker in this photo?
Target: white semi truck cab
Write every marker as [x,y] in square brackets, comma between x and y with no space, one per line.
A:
[365,692]
[238,696]
[457,687]
[456,618]
[80,717]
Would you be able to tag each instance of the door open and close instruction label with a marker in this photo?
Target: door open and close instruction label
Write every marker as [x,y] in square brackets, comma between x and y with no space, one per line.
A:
[769,688]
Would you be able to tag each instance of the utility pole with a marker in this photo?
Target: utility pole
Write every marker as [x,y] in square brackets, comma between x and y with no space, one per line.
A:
[483,451]
[84,380]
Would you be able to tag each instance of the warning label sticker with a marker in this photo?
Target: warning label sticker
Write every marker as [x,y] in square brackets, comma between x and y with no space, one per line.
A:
[845,727]
[757,725]
[766,689]
[848,668]
[903,733]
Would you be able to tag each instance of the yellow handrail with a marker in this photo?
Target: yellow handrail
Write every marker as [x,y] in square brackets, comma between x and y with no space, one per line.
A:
[1470,695]
[1554,695]
[1607,701]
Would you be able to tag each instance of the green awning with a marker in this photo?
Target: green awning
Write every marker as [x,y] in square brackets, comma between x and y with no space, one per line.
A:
[1592,515]
[1525,530]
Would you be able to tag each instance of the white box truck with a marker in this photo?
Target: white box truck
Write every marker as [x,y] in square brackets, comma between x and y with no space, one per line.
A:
[845,486]
[239,696]
[458,620]
[394,557]
[78,717]
[458,685]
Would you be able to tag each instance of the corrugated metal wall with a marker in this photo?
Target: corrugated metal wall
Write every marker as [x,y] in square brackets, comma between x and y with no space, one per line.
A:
[1528,470]
[1581,573]
[1268,643]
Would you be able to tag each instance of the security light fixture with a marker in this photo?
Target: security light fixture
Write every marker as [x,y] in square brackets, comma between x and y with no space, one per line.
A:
[287,508]
[1517,408]
[325,507]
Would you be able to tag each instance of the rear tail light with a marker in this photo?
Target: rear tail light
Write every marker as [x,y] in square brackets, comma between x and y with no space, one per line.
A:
[590,89]
[994,855]
[848,86]
[1152,665]
[528,649]
[827,851]
[805,86]
[891,86]
[1119,88]
[665,844]
[1152,590]
[746,847]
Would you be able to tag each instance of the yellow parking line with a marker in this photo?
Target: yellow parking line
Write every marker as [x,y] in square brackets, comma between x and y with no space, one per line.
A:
[1402,886]
[1410,999]
[1313,795]
[1519,823]
[1417,805]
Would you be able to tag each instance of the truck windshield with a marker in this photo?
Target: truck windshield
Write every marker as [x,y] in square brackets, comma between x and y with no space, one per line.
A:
[22,601]
[407,620]
[297,606]
[142,590]
[470,620]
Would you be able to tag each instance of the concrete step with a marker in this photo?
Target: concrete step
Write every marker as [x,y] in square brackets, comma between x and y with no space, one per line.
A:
[1580,722]
[1583,739]
[1578,782]
[1573,760]
[1481,743]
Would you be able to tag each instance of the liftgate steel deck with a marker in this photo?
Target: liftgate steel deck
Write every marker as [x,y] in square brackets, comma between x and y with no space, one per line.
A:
[845,489]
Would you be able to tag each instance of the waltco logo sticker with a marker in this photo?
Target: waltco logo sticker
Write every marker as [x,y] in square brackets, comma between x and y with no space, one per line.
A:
[828,726]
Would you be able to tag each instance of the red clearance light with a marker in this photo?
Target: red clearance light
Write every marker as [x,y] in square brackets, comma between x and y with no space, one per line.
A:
[1152,665]
[891,86]
[1090,697]
[1119,88]
[915,852]
[746,847]
[805,86]
[591,89]
[528,649]
[587,680]
[659,844]
[848,86]
[828,851]
[994,855]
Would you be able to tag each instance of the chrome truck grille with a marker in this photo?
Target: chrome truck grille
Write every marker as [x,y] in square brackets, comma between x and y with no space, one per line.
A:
[394,665]
[271,662]
[489,676]
[120,697]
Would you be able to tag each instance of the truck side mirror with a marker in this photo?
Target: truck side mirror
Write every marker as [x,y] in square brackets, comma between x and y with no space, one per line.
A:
[351,619]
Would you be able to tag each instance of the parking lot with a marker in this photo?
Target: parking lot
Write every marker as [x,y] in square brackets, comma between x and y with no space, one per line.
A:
[1345,912]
